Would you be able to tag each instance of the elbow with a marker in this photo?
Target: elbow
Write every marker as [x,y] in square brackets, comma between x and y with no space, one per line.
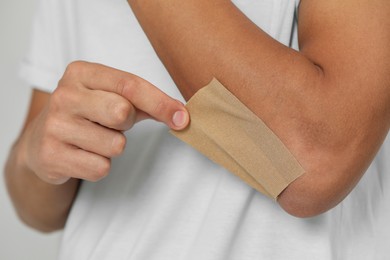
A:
[331,172]
[309,198]
[302,207]
[323,186]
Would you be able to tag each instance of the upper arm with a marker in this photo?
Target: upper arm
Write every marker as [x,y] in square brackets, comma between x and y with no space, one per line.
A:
[350,43]
[349,40]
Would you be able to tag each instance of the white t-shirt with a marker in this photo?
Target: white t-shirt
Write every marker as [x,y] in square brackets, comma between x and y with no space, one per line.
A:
[163,200]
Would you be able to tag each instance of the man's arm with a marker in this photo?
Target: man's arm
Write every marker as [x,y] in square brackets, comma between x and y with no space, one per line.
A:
[328,103]
[74,132]
[39,204]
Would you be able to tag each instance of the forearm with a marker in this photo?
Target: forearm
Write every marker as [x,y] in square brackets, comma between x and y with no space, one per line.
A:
[301,98]
[199,43]
[40,205]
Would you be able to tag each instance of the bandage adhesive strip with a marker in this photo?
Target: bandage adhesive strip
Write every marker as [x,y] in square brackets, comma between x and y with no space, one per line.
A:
[228,133]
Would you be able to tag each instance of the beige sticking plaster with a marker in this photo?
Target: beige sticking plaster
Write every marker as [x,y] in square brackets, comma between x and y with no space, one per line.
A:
[227,132]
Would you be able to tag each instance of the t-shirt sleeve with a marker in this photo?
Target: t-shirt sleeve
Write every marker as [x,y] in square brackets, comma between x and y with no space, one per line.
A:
[39,68]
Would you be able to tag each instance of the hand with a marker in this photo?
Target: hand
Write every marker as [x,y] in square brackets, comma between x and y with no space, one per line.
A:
[81,127]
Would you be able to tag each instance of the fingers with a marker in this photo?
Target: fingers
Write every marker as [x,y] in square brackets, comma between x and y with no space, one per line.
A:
[155,103]
[87,166]
[73,162]
[139,92]
[81,127]
[107,109]
[94,138]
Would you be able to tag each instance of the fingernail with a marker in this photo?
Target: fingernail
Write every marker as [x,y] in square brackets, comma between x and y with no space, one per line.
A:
[179,118]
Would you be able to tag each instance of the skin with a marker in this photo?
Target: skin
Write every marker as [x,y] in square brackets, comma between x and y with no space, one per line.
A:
[329,102]
[72,134]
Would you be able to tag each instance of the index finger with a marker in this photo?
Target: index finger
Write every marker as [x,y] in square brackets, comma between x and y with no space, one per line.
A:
[142,94]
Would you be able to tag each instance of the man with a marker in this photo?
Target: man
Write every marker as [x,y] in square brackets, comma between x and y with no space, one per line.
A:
[328,103]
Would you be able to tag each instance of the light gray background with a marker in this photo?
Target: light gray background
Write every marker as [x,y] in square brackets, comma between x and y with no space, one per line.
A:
[17,242]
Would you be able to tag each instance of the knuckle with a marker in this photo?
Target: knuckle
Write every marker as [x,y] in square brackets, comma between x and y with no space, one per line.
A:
[120,86]
[118,144]
[45,157]
[54,178]
[127,86]
[102,170]
[51,127]
[63,96]
[121,112]
[161,108]
[48,154]
[74,68]
[57,97]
